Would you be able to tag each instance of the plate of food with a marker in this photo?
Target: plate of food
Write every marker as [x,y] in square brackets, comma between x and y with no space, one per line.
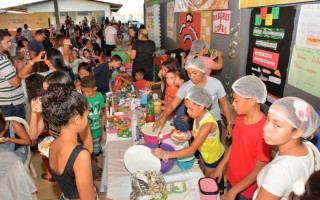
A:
[44,146]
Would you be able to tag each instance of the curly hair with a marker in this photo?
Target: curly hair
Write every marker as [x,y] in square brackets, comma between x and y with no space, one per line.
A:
[34,86]
[2,122]
[59,77]
[61,103]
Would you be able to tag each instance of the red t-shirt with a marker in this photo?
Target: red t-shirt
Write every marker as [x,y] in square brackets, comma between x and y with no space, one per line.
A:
[170,94]
[140,85]
[247,146]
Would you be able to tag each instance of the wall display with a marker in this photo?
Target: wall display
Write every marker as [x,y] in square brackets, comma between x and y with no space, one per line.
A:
[189,29]
[205,32]
[181,5]
[269,47]
[170,19]
[255,3]
[308,31]
[34,20]
[199,5]
[304,70]
[221,22]
[153,23]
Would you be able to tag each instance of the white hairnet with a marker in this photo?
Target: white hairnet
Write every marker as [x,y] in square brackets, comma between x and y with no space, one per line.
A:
[250,87]
[298,113]
[197,46]
[196,62]
[199,95]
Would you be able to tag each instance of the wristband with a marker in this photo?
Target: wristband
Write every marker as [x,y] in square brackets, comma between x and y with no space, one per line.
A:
[229,123]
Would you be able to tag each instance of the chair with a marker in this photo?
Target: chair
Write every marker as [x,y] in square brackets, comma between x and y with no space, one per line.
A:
[27,164]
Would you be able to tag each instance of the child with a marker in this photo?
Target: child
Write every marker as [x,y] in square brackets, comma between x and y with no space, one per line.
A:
[248,153]
[309,191]
[291,120]
[205,132]
[84,69]
[13,138]
[97,117]
[140,83]
[171,88]
[114,64]
[24,51]
[76,61]
[87,57]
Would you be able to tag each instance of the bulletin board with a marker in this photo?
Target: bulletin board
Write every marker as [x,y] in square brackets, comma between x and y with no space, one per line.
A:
[206,27]
[270,37]
[189,29]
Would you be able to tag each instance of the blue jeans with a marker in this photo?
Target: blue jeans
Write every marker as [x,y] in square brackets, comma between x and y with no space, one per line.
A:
[239,196]
[13,110]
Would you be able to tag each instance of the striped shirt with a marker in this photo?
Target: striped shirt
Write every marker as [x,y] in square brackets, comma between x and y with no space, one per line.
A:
[8,93]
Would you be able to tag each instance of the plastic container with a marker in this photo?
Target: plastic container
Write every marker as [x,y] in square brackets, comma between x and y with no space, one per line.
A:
[208,189]
[186,162]
[165,167]
[151,136]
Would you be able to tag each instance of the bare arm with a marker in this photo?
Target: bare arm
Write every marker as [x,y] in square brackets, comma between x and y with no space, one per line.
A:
[26,71]
[264,194]
[15,82]
[116,38]
[86,138]
[217,173]
[32,54]
[225,106]
[21,132]
[36,120]
[219,64]
[125,80]
[133,54]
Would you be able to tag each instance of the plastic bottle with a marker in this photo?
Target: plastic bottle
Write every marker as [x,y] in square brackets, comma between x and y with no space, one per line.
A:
[134,128]
[150,112]
[156,104]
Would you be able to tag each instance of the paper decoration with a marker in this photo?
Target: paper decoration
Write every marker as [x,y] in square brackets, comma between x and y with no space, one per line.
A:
[263,13]
[205,30]
[189,29]
[221,22]
[269,20]
[275,12]
[181,5]
[170,19]
[267,44]
[259,3]
[265,58]
[257,21]
[304,70]
[199,5]
[274,33]
[308,30]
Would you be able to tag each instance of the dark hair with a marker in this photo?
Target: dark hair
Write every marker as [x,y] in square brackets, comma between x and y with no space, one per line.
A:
[77,52]
[96,48]
[3,33]
[2,121]
[84,66]
[312,188]
[63,32]
[172,71]
[24,39]
[25,26]
[88,82]
[85,41]
[19,30]
[182,74]
[59,77]
[56,58]
[39,32]
[59,41]
[60,104]
[169,64]
[142,26]
[34,86]
[88,50]
[46,42]
[116,58]
[141,71]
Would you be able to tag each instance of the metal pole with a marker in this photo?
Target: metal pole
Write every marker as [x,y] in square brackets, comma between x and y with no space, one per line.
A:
[56,11]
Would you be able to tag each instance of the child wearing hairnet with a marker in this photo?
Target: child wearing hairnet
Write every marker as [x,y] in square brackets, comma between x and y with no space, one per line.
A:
[205,132]
[248,153]
[291,120]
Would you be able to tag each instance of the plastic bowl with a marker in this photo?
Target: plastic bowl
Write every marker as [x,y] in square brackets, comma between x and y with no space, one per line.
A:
[186,162]
[165,167]
[152,136]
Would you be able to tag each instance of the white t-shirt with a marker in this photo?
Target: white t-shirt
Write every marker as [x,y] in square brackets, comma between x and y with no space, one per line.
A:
[278,176]
[110,31]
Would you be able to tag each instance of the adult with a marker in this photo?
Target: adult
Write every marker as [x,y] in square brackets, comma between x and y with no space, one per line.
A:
[71,34]
[27,33]
[36,46]
[19,37]
[214,62]
[67,21]
[196,69]
[93,22]
[111,37]
[133,33]
[47,42]
[11,92]
[63,45]
[142,53]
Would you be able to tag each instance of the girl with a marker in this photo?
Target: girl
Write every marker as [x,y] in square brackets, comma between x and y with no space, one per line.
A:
[290,121]
[13,138]
[76,61]
[165,67]
[84,69]
[172,89]
[24,51]
[69,162]
[205,132]
[87,57]
[98,54]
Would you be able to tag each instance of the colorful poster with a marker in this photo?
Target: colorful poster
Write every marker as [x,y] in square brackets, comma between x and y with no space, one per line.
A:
[189,29]
[181,5]
[170,19]
[198,5]
[221,22]
[305,70]
[149,17]
[34,20]
[259,3]
[205,32]
[308,31]
[269,48]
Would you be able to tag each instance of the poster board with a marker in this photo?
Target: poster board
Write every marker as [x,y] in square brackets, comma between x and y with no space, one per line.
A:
[34,20]
[258,3]
[170,19]
[205,30]
[189,30]
[221,22]
[199,5]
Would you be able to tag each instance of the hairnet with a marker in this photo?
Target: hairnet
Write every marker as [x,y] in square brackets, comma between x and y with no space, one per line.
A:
[196,62]
[298,113]
[199,95]
[197,46]
[250,87]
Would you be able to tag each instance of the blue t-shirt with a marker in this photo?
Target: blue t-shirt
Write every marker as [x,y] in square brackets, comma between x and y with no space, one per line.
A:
[214,87]
[102,74]
[36,47]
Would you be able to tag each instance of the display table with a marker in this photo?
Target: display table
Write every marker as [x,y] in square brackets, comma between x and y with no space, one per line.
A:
[115,180]
[16,182]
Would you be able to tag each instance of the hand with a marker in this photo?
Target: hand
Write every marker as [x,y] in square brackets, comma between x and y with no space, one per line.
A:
[160,153]
[231,195]
[36,105]
[38,57]
[217,174]
[185,118]
[4,140]
[159,123]
[229,131]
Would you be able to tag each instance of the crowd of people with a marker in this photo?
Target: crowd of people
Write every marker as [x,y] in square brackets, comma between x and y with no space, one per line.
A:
[66,71]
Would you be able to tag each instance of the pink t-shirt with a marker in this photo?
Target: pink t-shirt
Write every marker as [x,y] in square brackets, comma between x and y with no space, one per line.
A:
[208,61]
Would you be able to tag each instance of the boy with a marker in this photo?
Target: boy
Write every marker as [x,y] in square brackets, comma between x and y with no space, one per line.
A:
[248,153]
[140,83]
[114,65]
[96,117]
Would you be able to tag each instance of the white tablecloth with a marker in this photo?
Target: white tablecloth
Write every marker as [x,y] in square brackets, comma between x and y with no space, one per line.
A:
[15,181]
[115,180]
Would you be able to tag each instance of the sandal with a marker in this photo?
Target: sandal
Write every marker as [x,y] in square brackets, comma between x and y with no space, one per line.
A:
[43,176]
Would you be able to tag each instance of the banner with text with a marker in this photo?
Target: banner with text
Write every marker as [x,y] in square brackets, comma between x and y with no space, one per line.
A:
[221,22]
[199,5]
[14,21]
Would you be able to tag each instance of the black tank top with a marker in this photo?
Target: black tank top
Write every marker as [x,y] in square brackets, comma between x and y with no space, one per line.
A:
[67,180]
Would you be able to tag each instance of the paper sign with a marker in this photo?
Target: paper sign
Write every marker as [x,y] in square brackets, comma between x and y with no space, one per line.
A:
[265,58]
[221,22]
[275,12]
[263,13]
[257,21]
[204,22]
[207,31]
[269,20]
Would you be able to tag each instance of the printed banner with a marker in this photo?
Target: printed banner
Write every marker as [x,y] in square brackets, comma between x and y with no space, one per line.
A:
[305,70]
[181,5]
[170,19]
[34,20]
[308,31]
[269,47]
[259,3]
[199,5]
[189,29]
[205,32]
[221,23]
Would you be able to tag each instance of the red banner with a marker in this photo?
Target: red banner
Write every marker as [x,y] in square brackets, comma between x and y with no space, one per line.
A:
[265,58]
